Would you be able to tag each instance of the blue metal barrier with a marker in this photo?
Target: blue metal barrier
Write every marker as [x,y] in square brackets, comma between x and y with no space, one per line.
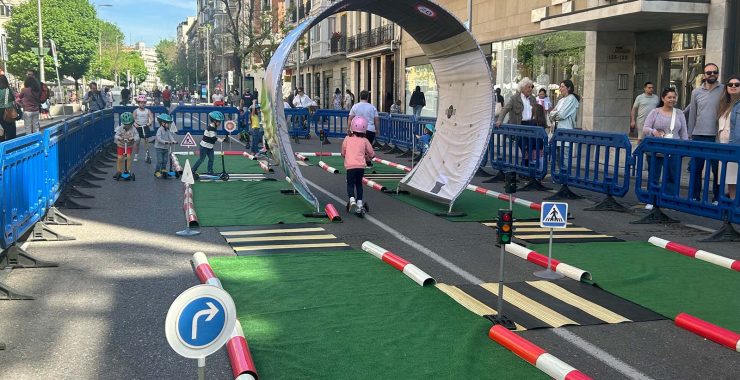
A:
[194,119]
[592,161]
[298,122]
[332,122]
[665,159]
[384,134]
[522,149]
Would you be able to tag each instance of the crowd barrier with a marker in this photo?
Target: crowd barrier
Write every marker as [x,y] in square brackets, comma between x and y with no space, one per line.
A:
[298,122]
[521,149]
[594,161]
[665,158]
[333,123]
[36,167]
[194,119]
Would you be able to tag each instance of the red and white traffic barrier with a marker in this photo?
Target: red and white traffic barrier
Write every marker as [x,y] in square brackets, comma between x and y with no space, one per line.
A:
[696,253]
[723,336]
[300,156]
[242,365]
[410,270]
[175,163]
[373,185]
[505,197]
[233,153]
[541,260]
[328,168]
[534,355]
[319,154]
[249,156]
[392,164]
[189,207]
[265,166]
[332,213]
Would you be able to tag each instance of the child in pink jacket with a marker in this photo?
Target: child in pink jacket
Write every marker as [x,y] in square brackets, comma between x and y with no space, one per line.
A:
[355,150]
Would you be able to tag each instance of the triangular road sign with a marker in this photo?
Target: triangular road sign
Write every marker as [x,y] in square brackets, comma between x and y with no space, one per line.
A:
[187,174]
[188,141]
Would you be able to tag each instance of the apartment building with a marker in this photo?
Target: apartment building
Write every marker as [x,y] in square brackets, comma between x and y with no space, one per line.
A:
[6,9]
[149,55]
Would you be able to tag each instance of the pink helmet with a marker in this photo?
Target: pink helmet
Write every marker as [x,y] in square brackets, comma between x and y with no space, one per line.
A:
[141,98]
[359,124]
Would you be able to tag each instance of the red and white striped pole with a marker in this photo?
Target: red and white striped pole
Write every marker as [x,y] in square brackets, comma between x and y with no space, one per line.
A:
[505,197]
[392,164]
[541,260]
[696,253]
[328,168]
[534,355]
[332,213]
[242,365]
[410,270]
[265,166]
[373,185]
[319,154]
[249,156]
[723,336]
[175,163]
[189,207]
[300,156]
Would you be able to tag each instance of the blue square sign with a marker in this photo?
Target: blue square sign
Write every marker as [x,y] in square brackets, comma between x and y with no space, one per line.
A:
[554,215]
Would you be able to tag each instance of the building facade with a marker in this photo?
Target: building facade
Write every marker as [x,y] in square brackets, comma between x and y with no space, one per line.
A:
[150,61]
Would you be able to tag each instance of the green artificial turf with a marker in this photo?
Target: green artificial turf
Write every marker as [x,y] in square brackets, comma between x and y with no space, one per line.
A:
[242,203]
[663,281]
[476,206]
[234,164]
[338,163]
[347,315]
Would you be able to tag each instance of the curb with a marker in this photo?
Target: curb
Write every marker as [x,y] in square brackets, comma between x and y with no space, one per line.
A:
[720,335]
[410,270]
[328,168]
[392,164]
[373,185]
[505,197]
[189,207]
[242,365]
[696,253]
[534,355]
[541,260]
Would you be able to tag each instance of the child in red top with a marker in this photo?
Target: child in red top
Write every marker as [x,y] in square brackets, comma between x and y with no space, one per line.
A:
[355,150]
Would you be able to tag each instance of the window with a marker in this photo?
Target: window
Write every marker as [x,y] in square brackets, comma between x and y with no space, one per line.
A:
[266,5]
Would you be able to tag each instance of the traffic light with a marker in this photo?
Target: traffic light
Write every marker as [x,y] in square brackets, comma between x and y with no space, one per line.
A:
[218,78]
[510,182]
[505,226]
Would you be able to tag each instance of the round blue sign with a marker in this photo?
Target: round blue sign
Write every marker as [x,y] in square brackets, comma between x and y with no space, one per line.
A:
[201,322]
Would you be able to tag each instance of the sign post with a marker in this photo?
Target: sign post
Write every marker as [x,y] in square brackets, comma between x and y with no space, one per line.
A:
[230,127]
[552,215]
[59,79]
[505,233]
[188,180]
[188,142]
[199,322]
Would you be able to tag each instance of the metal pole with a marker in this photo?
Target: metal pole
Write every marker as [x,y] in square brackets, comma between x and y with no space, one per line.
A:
[208,63]
[298,51]
[500,306]
[549,253]
[42,75]
[470,16]
[201,368]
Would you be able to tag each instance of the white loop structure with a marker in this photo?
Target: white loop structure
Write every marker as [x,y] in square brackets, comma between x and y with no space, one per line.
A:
[696,253]
[541,260]
[410,270]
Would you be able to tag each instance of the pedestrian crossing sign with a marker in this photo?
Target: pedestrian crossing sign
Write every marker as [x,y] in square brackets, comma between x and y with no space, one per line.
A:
[554,215]
[188,141]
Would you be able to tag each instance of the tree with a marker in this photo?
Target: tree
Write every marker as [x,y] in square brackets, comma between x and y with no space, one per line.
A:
[132,62]
[106,62]
[70,23]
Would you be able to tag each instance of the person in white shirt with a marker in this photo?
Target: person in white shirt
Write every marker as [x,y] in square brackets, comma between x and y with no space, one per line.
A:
[369,112]
[302,100]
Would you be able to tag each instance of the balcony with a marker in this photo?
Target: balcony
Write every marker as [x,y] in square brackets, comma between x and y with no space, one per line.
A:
[379,36]
[338,43]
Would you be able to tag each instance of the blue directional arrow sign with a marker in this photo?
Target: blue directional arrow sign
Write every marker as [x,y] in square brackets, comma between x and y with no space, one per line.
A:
[554,215]
[200,321]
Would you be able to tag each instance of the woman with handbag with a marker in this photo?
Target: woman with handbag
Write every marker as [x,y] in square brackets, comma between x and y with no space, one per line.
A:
[10,114]
[30,99]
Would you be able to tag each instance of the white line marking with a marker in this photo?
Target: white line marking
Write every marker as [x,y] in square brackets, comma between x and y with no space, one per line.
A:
[237,141]
[600,354]
[589,348]
[428,252]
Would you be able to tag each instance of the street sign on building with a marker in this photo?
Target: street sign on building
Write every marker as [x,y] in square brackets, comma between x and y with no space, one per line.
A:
[200,321]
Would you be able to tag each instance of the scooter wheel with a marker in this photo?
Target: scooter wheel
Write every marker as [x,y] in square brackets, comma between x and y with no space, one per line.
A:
[196,176]
[133,177]
[347,206]
[224,176]
[366,207]
[148,160]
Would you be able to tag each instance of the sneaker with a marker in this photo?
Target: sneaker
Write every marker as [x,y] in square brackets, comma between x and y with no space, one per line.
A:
[648,206]
[136,157]
[117,175]
[158,174]
[359,207]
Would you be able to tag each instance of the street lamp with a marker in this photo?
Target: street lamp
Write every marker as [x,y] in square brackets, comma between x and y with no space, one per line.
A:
[42,77]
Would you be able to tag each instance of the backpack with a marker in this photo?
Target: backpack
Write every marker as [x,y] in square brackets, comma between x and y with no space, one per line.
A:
[44,93]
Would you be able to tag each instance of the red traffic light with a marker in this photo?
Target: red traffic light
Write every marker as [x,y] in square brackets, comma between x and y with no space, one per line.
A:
[506,217]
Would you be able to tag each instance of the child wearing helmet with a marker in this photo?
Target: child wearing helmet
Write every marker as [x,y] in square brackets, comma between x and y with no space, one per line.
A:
[256,130]
[426,138]
[143,119]
[125,137]
[356,150]
[162,139]
[209,140]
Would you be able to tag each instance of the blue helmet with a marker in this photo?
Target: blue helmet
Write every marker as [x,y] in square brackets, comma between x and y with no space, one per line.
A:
[164,118]
[216,115]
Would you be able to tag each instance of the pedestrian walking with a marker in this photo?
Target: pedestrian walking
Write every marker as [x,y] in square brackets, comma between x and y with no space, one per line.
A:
[218,98]
[544,101]
[417,101]
[729,127]
[665,121]
[30,100]
[367,111]
[7,103]
[566,111]
[125,96]
[349,100]
[93,99]
[108,95]
[337,99]
[644,104]
[499,102]
[357,151]
[520,109]
[301,100]
[702,126]
[396,107]
[167,97]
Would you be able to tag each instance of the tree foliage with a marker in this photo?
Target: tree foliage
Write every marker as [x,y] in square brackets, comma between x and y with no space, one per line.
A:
[70,23]
[131,60]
